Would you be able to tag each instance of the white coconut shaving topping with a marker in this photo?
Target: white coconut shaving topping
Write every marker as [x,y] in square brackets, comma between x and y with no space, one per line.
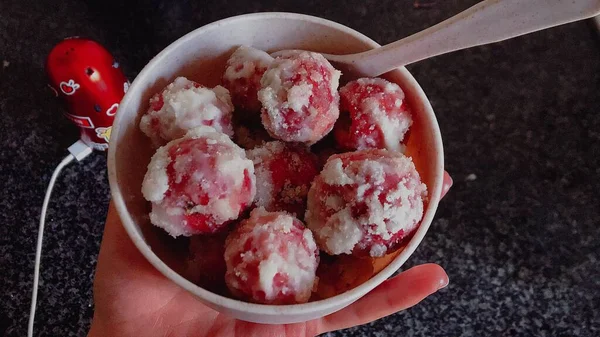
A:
[334,174]
[299,264]
[250,59]
[186,107]
[393,128]
[266,196]
[392,124]
[299,96]
[171,219]
[378,250]
[342,232]
[273,94]
[156,181]
[264,187]
[279,93]
[228,173]
[330,215]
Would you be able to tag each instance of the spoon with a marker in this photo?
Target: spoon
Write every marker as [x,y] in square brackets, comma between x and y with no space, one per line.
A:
[487,22]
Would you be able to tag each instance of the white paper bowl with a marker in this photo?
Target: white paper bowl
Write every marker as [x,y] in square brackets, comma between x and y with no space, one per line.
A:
[201,56]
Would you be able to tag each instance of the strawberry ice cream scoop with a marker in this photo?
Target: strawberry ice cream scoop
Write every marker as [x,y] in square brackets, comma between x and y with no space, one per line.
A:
[184,105]
[365,203]
[374,115]
[284,173]
[299,97]
[198,183]
[245,68]
[271,259]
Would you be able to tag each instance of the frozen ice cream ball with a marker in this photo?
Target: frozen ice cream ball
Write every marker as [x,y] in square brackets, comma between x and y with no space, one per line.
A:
[374,114]
[245,68]
[198,183]
[284,173]
[184,105]
[299,97]
[365,203]
[271,259]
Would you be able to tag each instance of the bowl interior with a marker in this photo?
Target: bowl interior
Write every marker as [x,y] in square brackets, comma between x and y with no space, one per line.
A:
[201,56]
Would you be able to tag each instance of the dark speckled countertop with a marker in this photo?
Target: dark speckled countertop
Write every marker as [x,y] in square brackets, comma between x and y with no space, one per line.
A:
[518,233]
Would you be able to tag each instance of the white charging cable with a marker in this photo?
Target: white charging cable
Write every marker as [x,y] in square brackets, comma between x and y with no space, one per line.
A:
[78,151]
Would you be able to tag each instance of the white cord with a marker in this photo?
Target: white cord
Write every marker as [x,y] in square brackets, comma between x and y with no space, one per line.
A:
[78,151]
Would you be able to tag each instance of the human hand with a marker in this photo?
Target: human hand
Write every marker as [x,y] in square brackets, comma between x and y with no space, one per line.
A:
[132,298]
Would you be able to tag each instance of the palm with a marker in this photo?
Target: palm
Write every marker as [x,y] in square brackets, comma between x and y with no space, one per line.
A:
[134,299]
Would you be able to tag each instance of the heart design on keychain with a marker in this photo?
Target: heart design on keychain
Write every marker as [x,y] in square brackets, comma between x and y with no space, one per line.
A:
[69,88]
[112,110]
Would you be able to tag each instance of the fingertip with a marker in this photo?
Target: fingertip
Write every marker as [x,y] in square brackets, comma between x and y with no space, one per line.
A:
[447,183]
[442,276]
[398,293]
[429,277]
[438,273]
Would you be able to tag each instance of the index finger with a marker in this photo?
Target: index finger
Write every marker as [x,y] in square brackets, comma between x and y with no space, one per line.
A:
[396,294]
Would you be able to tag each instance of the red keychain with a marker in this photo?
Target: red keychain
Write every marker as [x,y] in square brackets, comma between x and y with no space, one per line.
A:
[90,80]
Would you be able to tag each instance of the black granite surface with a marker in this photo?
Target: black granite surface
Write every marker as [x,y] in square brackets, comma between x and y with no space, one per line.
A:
[518,233]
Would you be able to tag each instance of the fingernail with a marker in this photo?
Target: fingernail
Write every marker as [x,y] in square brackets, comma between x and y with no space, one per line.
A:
[446,184]
[443,283]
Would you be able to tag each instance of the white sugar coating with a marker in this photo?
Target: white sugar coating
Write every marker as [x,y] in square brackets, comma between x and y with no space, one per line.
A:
[242,77]
[171,219]
[293,194]
[264,183]
[342,186]
[282,90]
[231,164]
[341,232]
[273,91]
[227,172]
[393,128]
[334,174]
[222,95]
[334,202]
[186,106]
[279,245]
[378,250]
[393,124]
[298,96]
[156,181]
[245,62]
[284,173]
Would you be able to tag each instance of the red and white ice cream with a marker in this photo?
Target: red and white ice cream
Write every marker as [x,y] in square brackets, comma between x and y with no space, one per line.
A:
[365,203]
[272,259]
[184,105]
[284,173]
[299,97]
[245,68]
[198,183]
[374,114]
